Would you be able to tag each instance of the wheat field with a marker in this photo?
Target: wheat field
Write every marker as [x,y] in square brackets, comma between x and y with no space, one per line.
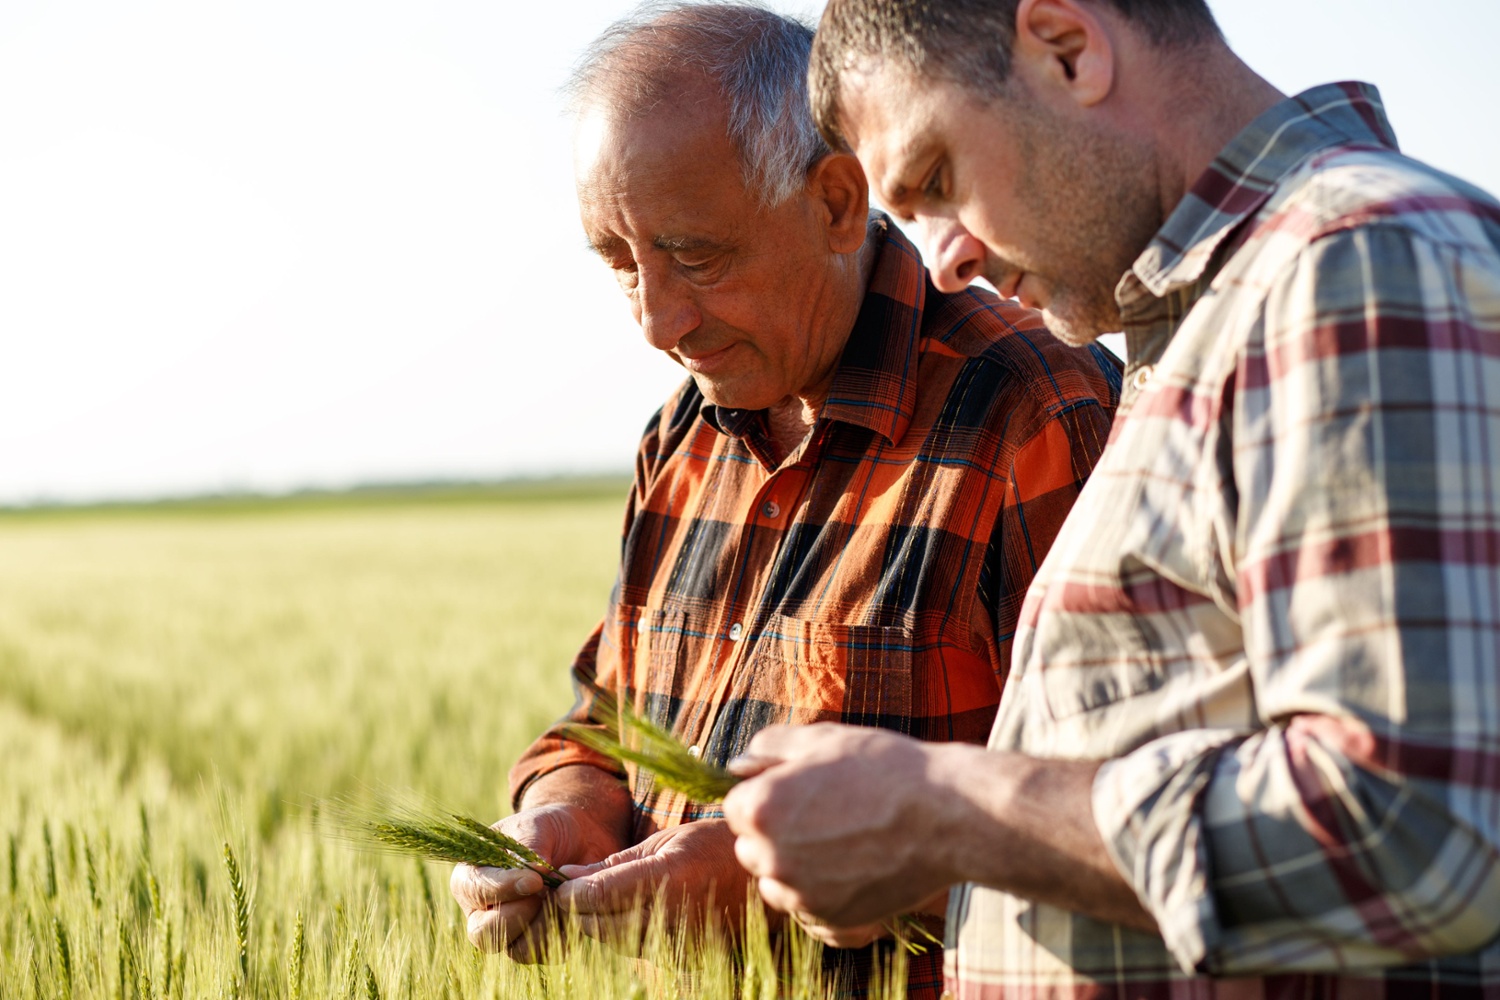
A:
[184,688]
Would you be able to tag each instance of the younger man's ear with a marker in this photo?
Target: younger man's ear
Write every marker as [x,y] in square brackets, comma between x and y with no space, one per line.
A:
[837,184]
[1065,45]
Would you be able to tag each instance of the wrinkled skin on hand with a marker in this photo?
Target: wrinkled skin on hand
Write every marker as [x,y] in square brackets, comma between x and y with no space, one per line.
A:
[504,908]
[837,825]
[689,871]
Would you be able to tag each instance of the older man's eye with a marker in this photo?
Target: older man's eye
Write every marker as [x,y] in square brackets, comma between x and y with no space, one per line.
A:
[700,266]
[933,189]
[625,274]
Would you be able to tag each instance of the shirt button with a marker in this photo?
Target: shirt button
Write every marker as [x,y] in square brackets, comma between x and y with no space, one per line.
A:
[771,509]
[694,750]
[735,631]
[1141,378]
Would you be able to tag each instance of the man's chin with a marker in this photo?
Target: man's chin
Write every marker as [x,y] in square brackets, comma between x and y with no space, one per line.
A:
[728,395]
[1077,328]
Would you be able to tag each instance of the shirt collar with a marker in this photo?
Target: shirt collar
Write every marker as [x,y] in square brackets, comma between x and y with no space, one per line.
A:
[1248,170]
[875,384]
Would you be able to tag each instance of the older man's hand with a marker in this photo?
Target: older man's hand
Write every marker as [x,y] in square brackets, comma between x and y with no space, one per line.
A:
[840,824]
[503,908]
[690,870]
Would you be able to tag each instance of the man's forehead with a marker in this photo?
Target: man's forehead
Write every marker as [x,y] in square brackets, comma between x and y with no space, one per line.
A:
[888,117]
[604,136]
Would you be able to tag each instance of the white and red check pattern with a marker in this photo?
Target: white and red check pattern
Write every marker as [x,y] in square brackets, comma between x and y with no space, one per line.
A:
[1275,608]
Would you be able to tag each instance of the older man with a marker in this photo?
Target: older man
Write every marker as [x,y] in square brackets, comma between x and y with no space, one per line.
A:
[835,517]
[1254,729]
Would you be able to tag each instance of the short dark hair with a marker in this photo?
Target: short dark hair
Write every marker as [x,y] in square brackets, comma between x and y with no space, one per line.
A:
[964,41]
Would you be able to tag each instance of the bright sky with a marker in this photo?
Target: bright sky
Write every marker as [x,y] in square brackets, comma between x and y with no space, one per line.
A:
[275,243]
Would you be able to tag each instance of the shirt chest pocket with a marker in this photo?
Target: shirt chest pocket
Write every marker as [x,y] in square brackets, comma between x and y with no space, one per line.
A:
[800,672]
[671,668]
[640,656]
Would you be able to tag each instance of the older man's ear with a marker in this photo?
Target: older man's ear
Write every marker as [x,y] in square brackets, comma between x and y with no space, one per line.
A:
[837,185]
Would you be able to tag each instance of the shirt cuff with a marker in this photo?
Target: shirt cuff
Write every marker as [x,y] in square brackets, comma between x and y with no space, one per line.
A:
[1148,808]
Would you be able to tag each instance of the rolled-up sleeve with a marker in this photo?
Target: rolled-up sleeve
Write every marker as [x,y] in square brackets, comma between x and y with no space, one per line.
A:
[1360,825]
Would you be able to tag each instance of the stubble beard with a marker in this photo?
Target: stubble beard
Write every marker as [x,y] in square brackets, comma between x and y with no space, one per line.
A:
[1094,198]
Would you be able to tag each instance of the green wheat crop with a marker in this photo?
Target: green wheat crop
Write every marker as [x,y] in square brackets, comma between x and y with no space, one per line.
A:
[176,679]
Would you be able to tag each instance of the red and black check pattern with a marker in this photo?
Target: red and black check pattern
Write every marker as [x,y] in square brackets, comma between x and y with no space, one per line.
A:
[876,576]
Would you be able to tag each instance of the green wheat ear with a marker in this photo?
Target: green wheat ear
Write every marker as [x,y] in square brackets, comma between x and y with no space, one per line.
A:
[434,834]
[621,735]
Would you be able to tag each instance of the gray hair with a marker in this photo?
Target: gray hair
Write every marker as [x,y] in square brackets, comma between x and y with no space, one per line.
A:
[757,58]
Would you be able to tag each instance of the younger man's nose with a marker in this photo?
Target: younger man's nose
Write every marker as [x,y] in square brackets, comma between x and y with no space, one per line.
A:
[953,256]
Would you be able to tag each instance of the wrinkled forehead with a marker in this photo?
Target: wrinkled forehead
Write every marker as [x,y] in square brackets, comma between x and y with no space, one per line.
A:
[683,117]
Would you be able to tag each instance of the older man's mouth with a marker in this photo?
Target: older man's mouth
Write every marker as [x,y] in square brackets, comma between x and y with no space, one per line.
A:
[706,362]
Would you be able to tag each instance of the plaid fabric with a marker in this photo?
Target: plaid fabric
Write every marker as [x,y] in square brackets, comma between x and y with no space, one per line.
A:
[1276,608]
[874,578]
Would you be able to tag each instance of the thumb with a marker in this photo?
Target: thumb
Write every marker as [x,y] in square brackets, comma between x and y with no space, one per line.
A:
[619,882]
[772,745]
[635,852]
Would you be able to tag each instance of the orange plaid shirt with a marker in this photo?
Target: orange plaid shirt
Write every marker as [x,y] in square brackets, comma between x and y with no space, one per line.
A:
[875,577]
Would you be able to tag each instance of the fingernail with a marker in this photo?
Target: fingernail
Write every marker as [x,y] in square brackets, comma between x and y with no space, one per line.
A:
[528,884]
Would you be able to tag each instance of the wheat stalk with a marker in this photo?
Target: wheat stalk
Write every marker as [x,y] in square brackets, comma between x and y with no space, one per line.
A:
[51,869]
[434,834]
[240,912]
[627,737]
[294,960]
[92,872]
[64,955]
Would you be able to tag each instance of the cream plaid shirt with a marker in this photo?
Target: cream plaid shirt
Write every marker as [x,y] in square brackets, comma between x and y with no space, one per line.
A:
[1275,608]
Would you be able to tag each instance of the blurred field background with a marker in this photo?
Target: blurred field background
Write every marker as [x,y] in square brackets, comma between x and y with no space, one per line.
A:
[182,677]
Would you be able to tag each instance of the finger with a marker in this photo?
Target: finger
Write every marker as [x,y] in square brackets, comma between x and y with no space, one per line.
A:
[630,854]
[776,743]
[842,937]
[780,896]
[533,945]
[487,888]
[744,805]
[493,930]
[613,888]
[755,854]
[749,765]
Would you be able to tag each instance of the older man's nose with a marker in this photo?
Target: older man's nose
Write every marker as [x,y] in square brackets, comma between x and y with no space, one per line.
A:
[666,313]
[954,257]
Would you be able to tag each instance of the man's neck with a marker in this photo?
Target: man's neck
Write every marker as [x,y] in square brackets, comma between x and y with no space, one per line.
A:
[787,424]
[790,421]
[1203,103]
